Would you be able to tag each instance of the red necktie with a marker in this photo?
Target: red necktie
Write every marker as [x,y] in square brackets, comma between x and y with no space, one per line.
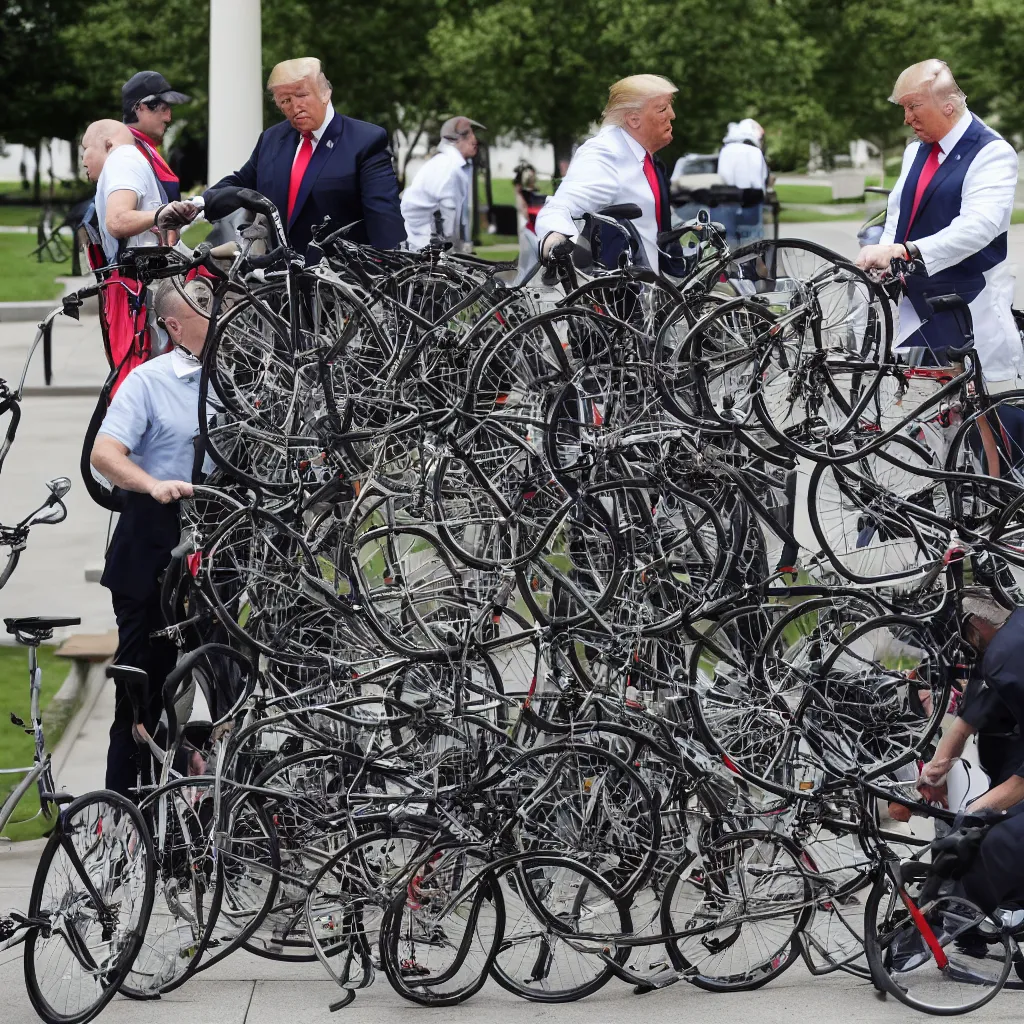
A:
[302,158]
[652,179]
[931,165]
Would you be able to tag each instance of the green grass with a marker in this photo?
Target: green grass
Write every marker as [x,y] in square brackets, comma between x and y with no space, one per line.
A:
[796,215]
[16,746]
[804,193]
[1017,216]
[62,190]
[19,216]
[196,233]
[499,253]
[23,278]
[890,180]
[504,192]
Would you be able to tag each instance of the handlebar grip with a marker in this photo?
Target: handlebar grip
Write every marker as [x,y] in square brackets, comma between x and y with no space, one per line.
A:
[186,547]
[254,201]
[274,256]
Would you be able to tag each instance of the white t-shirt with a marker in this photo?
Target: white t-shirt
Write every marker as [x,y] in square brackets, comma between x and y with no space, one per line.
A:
[126,169]
[742,166]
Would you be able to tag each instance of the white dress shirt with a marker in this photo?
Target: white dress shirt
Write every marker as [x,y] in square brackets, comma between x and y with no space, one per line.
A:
[318,133]
[988,194]
[443,183]
[606,169]
[742,166]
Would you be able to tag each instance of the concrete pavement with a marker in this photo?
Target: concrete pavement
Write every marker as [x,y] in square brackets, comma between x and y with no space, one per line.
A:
[50,578]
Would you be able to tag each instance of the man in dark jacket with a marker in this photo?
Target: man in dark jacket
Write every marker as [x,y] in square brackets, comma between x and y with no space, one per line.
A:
[993,708]
[320,163]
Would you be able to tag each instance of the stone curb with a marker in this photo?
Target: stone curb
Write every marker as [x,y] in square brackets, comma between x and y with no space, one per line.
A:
[95,680]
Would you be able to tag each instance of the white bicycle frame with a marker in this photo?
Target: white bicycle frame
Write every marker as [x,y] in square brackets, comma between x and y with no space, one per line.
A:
[39,774]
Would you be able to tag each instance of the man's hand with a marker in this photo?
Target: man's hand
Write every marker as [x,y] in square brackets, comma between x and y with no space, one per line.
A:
[166,491]
[932,784]
[551,239]
[176,215]
[878,257]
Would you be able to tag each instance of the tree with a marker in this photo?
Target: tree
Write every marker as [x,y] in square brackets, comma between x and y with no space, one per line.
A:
[117,40]
[730,59]
[532,67]
[864,46]
[32,105]
[376,56]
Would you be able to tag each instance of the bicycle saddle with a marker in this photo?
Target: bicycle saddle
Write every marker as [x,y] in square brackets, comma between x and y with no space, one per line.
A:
[621,211]
[36,622]
[33,629]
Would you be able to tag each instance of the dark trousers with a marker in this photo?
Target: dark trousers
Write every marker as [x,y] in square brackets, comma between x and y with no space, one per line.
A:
[997,875]
[138,554]
[136,619]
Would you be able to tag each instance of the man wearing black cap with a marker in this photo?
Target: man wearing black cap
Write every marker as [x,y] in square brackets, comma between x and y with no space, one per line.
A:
[146,100]
[443,186]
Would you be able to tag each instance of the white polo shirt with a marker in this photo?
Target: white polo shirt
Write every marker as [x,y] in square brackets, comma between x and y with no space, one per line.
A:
[442,184]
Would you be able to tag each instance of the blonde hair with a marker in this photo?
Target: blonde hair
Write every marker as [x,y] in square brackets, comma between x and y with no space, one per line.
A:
[931,76]
[298,69]
[631,94]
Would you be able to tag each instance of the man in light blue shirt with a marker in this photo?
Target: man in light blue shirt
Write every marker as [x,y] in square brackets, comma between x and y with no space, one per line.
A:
[145,446]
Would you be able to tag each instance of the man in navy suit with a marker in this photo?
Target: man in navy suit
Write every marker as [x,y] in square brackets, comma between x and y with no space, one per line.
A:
[950,211]
[319,163]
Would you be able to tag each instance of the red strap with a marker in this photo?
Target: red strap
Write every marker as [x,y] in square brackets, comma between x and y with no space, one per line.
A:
[652,180]
[302,158]
[160,166]
[931,165]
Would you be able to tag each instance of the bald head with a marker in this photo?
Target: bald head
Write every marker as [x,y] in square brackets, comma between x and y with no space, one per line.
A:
[100,138]
[932,101]
[178,316]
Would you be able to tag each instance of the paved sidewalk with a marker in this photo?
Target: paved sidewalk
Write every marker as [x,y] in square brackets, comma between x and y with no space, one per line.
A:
[50,578]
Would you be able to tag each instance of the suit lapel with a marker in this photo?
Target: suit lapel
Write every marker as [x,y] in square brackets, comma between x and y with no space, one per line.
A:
[321,156]
[967,142]
[910,189]
[662,173]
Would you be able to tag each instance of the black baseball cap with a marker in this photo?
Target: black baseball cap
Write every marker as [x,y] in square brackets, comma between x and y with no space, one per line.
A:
[147,85]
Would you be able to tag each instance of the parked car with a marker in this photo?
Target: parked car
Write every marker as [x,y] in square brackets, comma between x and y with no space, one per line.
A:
[870,232]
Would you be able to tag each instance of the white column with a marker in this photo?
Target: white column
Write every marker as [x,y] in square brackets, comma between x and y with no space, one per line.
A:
[236,85]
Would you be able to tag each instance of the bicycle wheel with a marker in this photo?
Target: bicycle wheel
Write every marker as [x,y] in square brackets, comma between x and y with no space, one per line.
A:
[950,959]
[183,906]
[883,518]
[440,934]
[551,901]
[745,898]
[94,889]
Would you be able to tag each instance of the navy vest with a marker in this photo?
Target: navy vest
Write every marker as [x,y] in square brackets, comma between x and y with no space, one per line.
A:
[939,205]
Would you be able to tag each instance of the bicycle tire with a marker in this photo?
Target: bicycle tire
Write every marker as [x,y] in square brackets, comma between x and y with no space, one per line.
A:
[879,952]
[137,845]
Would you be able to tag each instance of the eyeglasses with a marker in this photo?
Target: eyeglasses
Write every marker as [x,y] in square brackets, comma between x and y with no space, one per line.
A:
[154,105]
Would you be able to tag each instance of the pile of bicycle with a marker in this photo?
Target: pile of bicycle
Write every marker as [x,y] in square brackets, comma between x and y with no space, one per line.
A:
[550,632]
